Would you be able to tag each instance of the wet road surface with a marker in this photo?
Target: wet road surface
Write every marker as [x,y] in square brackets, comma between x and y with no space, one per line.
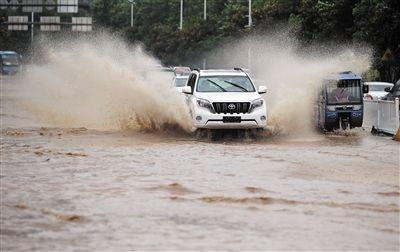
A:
[79,189]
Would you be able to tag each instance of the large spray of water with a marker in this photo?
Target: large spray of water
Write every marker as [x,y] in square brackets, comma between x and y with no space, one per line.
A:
[291,75]
[102,83]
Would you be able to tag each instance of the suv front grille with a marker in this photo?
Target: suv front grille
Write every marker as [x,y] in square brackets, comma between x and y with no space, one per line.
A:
[231,107]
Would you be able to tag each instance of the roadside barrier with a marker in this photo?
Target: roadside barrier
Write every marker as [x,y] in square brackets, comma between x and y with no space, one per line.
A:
[382,115]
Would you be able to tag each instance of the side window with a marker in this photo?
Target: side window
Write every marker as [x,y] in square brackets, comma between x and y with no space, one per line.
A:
[192,81]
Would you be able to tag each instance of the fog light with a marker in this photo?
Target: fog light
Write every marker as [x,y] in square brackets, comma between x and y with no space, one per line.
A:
[198,118]
[263,118]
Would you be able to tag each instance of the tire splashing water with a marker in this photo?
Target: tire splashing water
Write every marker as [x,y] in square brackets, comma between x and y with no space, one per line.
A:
[291,73]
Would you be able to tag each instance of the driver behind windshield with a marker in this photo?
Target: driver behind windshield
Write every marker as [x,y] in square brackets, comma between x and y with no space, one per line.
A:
[339,95]
[344,91]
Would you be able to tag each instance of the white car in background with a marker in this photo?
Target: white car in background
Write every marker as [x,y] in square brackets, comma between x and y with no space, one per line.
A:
[225,99]
[377,90]
[179,82]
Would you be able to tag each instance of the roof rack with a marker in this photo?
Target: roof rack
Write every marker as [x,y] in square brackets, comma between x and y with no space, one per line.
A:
[241,69]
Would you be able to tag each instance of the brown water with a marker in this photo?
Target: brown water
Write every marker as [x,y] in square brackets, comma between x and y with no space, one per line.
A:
[80,189]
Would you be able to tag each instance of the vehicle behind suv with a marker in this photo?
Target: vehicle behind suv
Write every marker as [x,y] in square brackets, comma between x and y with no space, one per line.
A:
[393,92]
[179,82]
[225,99]
[10,62]
[377,90]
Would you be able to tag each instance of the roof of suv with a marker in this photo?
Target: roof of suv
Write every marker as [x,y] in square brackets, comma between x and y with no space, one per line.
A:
[221,72]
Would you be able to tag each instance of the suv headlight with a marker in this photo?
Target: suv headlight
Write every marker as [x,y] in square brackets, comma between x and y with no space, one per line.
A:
[256,104]
[205,104]
[357,107]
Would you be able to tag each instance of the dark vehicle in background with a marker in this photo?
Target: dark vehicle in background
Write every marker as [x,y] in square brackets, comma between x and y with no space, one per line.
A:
[393,92]
[10,62]
[340,102]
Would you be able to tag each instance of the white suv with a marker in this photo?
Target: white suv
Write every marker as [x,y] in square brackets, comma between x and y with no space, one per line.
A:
[225,99]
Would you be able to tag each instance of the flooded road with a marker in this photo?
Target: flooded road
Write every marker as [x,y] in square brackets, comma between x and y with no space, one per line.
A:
[81,189]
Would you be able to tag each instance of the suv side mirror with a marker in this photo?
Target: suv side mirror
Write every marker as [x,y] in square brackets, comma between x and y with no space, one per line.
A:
[388,89]
[365,89]
[262,89]
[187,90]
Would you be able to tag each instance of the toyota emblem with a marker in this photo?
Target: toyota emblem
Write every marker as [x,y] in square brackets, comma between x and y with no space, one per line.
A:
[231,106]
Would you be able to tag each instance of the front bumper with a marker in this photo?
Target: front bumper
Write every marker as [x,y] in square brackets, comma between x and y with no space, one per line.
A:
[209,120]
[355,116]
[10,70]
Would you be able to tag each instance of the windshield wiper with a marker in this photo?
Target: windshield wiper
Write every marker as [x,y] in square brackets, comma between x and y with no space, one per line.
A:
[223,89]
[236,85]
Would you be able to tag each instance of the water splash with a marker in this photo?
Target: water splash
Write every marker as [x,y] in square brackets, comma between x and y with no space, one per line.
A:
[292,75]
[102,83]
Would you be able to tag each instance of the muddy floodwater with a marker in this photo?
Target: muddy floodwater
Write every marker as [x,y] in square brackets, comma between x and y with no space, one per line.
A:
[77,189]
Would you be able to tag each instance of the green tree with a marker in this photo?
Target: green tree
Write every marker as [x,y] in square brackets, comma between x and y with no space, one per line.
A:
[377,22]
[111,13]
[322,20]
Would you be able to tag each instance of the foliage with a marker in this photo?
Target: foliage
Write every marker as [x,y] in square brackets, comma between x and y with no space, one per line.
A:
[378,23]
[156,23]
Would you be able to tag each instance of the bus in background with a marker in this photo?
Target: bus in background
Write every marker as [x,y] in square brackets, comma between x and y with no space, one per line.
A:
[10,62]
[340,102]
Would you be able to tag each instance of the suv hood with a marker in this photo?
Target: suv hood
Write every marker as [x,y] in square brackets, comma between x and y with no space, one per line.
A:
[228,96]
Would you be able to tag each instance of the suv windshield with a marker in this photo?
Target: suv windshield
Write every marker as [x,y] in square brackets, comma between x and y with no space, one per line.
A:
[225,83]
[10,59]
[344,92]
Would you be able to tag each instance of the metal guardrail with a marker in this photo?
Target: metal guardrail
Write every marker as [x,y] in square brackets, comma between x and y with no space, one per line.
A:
[382,115]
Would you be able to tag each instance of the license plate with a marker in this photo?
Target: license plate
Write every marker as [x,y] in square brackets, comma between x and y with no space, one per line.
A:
[231,119]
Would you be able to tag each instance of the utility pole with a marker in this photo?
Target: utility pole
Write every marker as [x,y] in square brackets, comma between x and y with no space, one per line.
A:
[32,21]
[249,50]
[181,20]
[131,14]
[131,2]
[205,9]
[250,19]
